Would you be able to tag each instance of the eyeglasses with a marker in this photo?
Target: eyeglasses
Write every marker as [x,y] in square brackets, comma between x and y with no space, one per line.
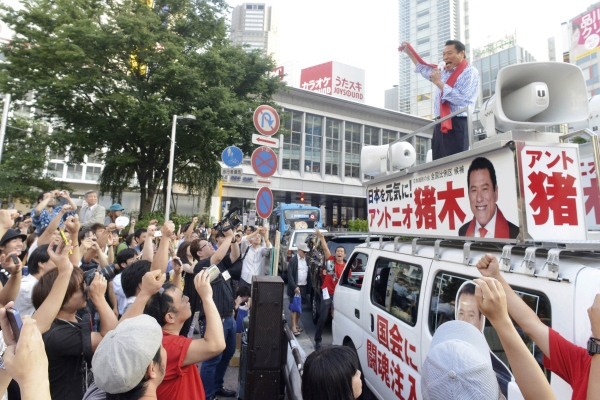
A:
[200,249]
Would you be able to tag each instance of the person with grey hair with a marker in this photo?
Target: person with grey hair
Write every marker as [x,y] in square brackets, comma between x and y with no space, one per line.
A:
[92,213]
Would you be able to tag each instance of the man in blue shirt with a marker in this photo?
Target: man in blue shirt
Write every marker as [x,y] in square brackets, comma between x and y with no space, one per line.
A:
[457,86]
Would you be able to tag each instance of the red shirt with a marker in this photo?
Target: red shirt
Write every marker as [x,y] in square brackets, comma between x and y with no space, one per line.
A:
[571,362]
[180,382]
[328,281]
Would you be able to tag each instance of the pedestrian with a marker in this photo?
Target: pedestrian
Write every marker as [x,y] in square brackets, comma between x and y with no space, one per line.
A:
[298,282]
[114,212]
[332,373]
[47,209]
[91,213]
[457,87]
[254,250]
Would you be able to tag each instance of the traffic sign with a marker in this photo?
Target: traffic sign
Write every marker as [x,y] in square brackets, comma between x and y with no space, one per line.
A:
[263,181]
[232,156]
[264,202]
[264,162]
[265,141]
[266,120]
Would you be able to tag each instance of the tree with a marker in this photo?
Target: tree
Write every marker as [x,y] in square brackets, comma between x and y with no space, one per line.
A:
[114,72]
[23,162]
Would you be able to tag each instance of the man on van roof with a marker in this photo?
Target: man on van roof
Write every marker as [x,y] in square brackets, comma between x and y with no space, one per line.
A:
[571,362]
[488,221]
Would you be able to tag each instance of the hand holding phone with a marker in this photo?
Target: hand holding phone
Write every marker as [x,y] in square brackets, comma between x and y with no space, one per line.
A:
[15,321]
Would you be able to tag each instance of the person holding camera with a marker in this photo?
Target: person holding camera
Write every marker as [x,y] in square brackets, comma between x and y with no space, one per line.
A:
[213,370]
[254,251]
[330,281]
[45,211]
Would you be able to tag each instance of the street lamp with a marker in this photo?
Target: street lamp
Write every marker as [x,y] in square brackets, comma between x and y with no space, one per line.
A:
[171,161]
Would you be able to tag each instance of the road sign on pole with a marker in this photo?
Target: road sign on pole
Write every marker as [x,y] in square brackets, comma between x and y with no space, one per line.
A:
[264,202]
[265,141]
[264,162]
[266,120]
[232,156]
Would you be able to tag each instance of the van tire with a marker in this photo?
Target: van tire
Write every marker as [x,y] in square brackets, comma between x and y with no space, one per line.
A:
[366,393]
[316,306]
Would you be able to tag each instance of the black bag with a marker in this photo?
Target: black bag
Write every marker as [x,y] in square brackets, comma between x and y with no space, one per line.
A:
[235,271]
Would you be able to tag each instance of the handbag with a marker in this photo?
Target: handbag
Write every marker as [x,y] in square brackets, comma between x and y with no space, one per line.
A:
[296,304]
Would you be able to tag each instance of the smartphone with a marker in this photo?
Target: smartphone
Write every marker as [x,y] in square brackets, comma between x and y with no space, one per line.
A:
[157,233]
[15,259]
[15,321]
[172,254]
[90,235]
[214,272]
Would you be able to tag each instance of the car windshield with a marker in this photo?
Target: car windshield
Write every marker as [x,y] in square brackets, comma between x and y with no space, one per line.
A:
[300,237]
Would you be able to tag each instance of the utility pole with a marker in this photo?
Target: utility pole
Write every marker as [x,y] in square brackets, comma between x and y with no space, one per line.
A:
[3,125]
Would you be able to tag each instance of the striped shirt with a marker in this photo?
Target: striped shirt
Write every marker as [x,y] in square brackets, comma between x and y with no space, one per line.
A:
[464,93]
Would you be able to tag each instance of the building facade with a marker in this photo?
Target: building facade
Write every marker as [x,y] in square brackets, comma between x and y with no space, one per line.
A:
[391,99]
[427,25]
[255,25]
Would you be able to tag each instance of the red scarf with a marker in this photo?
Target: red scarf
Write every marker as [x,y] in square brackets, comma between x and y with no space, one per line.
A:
[501,231]
[444,105]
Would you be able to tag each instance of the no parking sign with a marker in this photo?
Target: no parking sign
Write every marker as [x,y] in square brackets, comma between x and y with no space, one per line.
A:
[264,202]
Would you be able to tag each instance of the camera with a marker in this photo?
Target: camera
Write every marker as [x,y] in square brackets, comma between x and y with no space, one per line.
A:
[108,272]
[231,217]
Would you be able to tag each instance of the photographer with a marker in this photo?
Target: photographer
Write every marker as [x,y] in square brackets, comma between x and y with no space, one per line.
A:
[213,370]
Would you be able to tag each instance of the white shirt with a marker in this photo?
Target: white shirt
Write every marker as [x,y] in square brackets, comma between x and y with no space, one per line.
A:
[23,301]
[34,246]
[121,298]
[490,227]
[128,302]
[302,272]
[253,262]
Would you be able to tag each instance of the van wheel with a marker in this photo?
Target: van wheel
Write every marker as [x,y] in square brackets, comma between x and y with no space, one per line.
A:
[316,306]
[366,393]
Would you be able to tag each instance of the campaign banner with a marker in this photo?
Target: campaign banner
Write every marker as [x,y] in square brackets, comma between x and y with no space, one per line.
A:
[585,35]
[551,184]
[446,202]
[591,194]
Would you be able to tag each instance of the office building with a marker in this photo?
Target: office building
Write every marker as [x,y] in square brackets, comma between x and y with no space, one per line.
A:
[255,25]
[427,25]
[581,51]
[551,49]
[391,99]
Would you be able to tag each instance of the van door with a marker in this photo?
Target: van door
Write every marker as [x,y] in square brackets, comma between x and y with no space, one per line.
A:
[392,324]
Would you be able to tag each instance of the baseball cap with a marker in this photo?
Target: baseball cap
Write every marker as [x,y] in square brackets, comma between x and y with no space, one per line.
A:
[122,357]
[458,366]
[303,247]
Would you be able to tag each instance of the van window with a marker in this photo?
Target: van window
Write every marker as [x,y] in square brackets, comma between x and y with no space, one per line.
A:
[396,288]
[358,266]
[443,309]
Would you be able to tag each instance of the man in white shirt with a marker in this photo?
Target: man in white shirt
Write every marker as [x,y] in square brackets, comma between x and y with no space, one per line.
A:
[124,259]
[38,264]
[92,213]
[253,255]
[297,281]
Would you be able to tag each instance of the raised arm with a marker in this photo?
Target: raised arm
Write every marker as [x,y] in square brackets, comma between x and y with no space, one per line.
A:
[214,340]
[72,226]
[108,320]
[409,53]
[11,289]
[235,250]
[152,281]
[491,300]
[222,249]
[593,391]
[524,316]
[161,258]
[65,195]
[46,237]
[131,227]
[43,204]
[47,312]
[190,230]
[326,251]
[7,218]
[148,250]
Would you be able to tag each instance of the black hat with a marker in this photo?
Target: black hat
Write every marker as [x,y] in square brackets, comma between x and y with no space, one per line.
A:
[10,235]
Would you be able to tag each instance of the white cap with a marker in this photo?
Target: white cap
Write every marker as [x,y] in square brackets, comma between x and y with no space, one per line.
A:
[458,366]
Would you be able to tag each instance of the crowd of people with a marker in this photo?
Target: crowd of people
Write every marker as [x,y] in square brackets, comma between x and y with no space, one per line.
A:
[114,313]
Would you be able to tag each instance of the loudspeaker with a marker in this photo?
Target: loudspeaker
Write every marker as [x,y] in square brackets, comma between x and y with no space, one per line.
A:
[374,159]
[533,95]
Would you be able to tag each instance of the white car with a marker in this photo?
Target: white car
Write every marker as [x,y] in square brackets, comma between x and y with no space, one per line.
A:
[289,246]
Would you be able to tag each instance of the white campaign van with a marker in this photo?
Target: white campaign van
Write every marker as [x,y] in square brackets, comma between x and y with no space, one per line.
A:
[538,200]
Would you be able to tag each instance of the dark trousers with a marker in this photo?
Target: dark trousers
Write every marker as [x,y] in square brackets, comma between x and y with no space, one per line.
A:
[323,316]
[212,371]
[454,141]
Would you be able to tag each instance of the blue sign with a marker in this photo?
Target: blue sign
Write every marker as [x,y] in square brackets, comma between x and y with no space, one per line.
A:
[264,202]
[264,162]
[232,156]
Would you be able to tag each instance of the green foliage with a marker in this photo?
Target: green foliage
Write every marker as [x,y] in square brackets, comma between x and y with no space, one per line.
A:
[579,140]
[115,72]
[23,161]
[358,225]
[178,220]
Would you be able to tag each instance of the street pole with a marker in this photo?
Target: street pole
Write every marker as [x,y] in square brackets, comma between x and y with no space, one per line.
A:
[171,165]
[3,125]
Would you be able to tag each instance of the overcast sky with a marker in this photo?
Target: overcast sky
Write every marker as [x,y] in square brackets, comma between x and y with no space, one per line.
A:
[365,34]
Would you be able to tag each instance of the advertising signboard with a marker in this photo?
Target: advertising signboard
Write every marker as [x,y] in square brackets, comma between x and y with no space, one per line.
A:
[335,79]
[584,35]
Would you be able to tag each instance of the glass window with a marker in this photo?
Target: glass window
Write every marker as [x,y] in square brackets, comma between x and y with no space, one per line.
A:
[388,136]
[422,1]
[74,171]
[443,309]
[353,276]
[92,173]
[422,13]
[396,288]
[423,41]
[422,27]
[504,57]
[56,169]
[425,96]
[56,156]
[485,77]
[292,141]
[314,143]
[333,146]
[371,136]
[352,153]
[421,146]
[95,158]
[485,63]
